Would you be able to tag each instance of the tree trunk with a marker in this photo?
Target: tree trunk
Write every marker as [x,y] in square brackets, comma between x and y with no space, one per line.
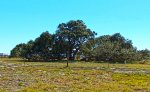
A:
[67,63]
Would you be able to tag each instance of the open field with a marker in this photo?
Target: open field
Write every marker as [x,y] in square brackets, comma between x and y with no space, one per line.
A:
[16,76]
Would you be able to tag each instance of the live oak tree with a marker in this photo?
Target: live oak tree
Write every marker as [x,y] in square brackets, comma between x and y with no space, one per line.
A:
[74,33]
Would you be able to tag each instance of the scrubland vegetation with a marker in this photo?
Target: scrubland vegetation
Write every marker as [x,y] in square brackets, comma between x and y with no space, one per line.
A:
[78,77]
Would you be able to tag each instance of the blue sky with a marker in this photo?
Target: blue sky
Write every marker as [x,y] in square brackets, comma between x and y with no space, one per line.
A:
[23,20]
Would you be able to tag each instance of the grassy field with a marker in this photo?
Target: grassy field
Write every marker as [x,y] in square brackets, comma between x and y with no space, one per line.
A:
[15,76]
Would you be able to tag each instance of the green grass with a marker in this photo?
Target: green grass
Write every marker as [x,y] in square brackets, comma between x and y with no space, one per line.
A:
[78,77]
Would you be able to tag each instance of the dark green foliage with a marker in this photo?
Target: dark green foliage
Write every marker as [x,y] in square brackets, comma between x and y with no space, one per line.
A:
[113,48]
[59,48]
[75,39]
[19,50]
[28,49]
[42,47]
[73,33]
[144,54]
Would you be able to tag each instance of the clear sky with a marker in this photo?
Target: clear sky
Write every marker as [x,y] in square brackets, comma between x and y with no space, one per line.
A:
[23,20]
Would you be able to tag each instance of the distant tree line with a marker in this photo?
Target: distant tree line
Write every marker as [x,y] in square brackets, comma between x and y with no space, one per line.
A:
[73,39]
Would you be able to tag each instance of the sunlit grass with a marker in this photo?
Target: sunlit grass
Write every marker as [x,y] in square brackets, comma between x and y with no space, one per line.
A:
[78,77]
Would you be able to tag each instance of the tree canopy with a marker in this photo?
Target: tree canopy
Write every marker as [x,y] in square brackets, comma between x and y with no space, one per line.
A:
[75,38]
[112,48]
[74,33]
